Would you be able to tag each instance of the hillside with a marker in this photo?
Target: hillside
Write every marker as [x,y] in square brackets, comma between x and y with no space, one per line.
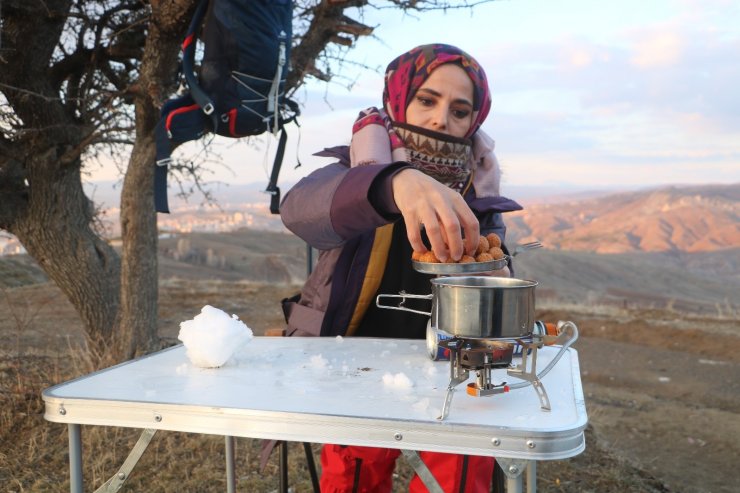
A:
[19,270]
[669,219]
[676,247]
[702,283]
[259,256]
[646,280]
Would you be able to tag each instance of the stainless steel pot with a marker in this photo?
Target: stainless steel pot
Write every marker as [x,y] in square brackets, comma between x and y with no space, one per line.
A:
[478,306]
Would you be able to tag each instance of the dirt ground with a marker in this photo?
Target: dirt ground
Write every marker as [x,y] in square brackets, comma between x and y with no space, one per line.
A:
[662,390]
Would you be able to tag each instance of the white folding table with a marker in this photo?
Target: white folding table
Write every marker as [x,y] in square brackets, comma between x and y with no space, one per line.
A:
[350,391]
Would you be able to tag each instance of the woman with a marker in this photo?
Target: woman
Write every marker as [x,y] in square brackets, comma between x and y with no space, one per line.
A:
[421,159]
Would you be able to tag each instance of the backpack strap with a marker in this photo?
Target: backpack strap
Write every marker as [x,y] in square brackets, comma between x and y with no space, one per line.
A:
[188,64]
[272,187]
[181,121]
[272,97]
[162,137]
[160,169]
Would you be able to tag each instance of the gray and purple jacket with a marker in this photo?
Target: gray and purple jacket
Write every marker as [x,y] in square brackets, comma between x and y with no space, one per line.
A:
[342,212]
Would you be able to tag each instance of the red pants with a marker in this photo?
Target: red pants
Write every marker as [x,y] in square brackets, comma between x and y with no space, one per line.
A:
[348,469]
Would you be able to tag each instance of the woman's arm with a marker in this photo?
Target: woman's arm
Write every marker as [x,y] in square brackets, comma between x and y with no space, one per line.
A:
[332,204]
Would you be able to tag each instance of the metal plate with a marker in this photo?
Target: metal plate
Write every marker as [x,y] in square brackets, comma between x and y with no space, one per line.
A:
[456,269]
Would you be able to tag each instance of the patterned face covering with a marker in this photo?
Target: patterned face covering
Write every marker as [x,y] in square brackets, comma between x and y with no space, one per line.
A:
[438,155]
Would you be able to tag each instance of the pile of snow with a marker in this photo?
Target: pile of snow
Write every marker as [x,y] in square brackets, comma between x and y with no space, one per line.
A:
[399,381]
[319,362]
[212,337]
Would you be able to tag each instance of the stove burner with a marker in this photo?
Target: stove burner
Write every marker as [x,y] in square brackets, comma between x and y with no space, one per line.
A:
[482,353]
[481,356]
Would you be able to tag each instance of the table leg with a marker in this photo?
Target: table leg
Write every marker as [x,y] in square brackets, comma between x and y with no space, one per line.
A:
[75,459]
[230,478]
[514,485]
[116,482]
[532,476]
[283,456]
[513,468]
[422,471]
[311,467]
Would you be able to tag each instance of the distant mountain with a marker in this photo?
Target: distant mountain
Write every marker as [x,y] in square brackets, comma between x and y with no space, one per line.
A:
[669,219]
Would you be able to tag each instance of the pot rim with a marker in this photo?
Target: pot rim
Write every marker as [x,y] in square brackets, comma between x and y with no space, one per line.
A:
[484,282]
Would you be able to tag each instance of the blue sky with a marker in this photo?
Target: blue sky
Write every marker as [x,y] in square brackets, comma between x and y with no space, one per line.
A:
[585,93]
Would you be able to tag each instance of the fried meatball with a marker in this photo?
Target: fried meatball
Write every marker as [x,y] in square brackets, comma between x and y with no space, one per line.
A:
[484,257]
[466,259]
[482,245]
[429,257]
[416,256]
[496,253]
[493,240]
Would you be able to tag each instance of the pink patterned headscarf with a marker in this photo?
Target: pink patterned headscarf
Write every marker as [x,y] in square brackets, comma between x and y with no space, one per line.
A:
[403,77]
[407,73]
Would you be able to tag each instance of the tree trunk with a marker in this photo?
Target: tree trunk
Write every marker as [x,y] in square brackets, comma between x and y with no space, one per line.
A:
[139,279]
[55,228]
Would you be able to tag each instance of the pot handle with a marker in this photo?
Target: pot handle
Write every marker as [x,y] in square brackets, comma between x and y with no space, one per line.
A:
[403,295]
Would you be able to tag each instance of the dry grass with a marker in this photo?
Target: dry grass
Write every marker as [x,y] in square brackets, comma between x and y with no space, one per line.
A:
[40,345]
[34,452]
[595,471]
[34,456]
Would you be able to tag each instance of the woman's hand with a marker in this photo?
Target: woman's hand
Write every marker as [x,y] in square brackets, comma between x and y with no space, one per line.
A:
[443,212]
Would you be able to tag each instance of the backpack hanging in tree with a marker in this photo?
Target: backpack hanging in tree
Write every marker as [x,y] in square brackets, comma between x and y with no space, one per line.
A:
[241,91]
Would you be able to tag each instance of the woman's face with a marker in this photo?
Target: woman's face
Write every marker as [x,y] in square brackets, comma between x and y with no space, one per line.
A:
[444,103]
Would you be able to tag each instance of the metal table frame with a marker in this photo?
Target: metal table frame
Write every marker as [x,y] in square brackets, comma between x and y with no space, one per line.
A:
[517,446]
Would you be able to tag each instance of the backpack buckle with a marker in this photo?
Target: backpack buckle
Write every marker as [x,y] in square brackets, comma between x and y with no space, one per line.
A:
[208,109]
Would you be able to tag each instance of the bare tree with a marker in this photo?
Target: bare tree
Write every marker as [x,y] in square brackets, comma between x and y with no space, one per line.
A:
[83,77]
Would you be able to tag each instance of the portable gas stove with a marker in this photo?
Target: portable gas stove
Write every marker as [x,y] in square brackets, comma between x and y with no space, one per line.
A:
[479,323]
[482,356]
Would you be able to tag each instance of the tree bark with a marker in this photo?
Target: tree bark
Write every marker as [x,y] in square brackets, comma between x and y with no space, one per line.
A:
[139,278]
[55,230]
